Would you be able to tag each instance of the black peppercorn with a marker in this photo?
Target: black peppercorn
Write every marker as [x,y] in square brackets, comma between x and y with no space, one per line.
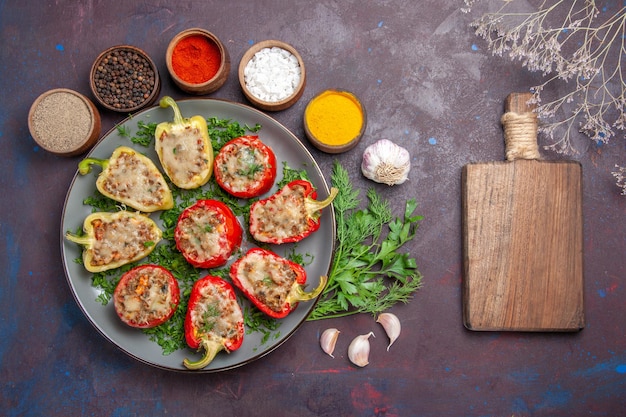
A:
[123,79]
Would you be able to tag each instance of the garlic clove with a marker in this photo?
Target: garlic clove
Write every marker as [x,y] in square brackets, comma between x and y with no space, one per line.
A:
[328,339]
[359,349]
[391,324]
[385,162]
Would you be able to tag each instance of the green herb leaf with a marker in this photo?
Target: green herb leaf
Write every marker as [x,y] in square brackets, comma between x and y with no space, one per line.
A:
[257,321]
[292,174]
[145,133]
[223,130]
[123,130]
[368,273]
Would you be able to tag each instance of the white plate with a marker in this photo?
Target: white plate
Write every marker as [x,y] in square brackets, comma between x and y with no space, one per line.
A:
[135,343]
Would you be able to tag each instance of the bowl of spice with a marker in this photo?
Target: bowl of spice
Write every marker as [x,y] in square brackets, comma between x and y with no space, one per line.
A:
[64,122]
[197,61]
[334,121]
[272,75]
[124,79]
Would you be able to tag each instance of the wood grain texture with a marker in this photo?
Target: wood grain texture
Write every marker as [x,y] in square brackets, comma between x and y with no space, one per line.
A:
[523,243]
[523,246]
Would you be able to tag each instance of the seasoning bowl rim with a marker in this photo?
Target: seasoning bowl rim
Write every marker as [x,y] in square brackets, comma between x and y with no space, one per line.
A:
[153,93]
[94,127]
[328,148]
[210,85]
[271,105]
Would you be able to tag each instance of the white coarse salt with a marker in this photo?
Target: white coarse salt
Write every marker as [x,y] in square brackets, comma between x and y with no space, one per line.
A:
[272,74]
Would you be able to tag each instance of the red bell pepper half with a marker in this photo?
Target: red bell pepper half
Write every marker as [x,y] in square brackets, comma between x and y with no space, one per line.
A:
[273,284]
[214,321]
[245,167]
[207,233]
[289,215]
[146,296]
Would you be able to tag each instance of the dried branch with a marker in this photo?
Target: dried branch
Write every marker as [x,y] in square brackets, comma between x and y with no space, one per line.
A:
[567,41]
[620,176]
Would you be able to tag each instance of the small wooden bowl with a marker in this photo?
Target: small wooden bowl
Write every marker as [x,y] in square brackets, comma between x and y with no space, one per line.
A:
[315,109]
[143,75]
[283,103]
[64,122]
[213,83]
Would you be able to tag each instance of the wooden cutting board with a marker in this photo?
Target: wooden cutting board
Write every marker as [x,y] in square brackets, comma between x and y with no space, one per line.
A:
[523,235]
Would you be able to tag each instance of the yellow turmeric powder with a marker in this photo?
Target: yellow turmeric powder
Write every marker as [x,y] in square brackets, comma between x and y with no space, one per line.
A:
[334,117]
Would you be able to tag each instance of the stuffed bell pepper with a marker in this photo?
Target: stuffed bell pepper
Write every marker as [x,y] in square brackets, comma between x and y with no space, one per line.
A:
[131,178]
[146,296]
[111,240]
[214,320]
[289,215]
[207,233]
[273,284]
[245,167]
[184,148]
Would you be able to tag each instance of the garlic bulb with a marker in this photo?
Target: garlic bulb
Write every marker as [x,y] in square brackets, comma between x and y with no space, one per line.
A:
[391,324]
[386,162]
[359,349]
[328,339]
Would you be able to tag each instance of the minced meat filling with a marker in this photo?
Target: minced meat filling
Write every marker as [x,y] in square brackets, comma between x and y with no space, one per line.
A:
[215,315]
[120,239]
[242,166]
[268,279]
[182,160]
[202,234]
[282,217]
[131,179]
[146,297]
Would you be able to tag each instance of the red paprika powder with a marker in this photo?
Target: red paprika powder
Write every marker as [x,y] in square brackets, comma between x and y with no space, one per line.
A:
[196,59]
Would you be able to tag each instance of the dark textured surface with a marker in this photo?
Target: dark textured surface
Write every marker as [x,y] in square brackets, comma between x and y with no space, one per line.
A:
[427,83]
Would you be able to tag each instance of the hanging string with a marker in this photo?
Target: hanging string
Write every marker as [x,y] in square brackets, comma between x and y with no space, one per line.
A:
[520,136]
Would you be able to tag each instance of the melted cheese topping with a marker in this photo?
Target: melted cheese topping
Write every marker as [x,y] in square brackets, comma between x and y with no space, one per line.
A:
[215,314]
[122,238]
[281,218]
[269,278]
[145,297]
[183,155]
[202,234]
[130,180]
[242,166]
